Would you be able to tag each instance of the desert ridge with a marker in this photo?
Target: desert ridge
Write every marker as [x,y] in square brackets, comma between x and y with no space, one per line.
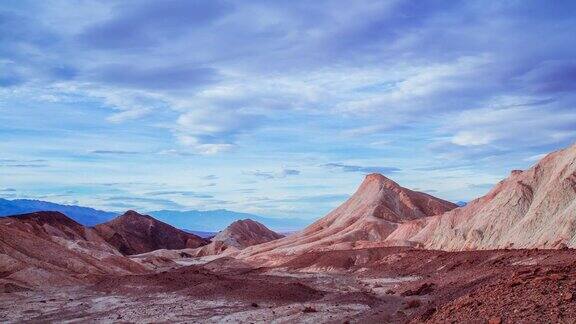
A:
[371,214]
[534,209]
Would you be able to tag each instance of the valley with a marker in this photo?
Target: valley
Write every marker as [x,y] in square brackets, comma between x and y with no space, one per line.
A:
[388,254]
[355,286]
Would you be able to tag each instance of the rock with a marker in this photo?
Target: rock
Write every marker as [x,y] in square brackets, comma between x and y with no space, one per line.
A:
[55,250]
[309,309]
[238,236]
[557,277]
[134,233]
[413,303]
[540,216]
[495,320]
[428,313]
[11,287]
[423,289]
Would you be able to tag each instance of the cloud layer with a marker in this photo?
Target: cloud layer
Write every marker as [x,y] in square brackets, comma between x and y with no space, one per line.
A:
[225,94]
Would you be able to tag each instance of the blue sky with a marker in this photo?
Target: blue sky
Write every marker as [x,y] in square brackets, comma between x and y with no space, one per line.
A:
[277,107]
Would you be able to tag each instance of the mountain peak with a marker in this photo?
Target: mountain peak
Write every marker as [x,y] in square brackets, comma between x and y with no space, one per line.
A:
[375,182]
[238,236]
[240,222]
[246,231]
[134,216]
[48,217]
[374,211]
[380,179]
[132,213]
[134,233]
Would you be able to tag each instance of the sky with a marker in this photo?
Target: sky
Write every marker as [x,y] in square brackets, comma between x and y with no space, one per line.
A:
[278,108]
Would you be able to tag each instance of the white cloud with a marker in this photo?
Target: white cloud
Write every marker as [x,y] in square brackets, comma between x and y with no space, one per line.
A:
[471,138]
[283,173]
[203,148]
[511,126]
[427,89]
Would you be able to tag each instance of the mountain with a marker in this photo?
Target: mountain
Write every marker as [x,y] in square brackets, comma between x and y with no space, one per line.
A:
[378,207]
[239,235]
[133,233]
[83,215]
[50,248]
[210,221]
[202,234]
[535,208]
[216,220]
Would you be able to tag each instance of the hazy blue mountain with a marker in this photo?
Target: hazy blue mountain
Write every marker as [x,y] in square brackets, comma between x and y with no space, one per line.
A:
[461,203]
[217,220]
[83,215]
[7,207]
[195,221]
[202,234]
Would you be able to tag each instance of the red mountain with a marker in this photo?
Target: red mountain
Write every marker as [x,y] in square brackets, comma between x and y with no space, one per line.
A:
[133,233]
[48,248]
[237,236]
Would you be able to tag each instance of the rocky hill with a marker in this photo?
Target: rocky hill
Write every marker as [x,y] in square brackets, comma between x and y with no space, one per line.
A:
[133,233]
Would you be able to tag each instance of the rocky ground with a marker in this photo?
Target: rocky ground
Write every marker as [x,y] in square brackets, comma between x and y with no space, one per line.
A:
[395,285]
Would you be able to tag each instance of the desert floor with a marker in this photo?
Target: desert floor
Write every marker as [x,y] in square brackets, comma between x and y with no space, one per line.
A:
[368,285]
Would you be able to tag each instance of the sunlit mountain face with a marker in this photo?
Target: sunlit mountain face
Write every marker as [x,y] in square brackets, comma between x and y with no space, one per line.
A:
[277,108]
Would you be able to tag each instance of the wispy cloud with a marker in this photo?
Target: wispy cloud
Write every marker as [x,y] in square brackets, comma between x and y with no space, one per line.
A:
[115,152]
[481,186]
[184,193]
[88,86]
[273,175]
[25,165]
[362,169]
[315,198]
[150,202]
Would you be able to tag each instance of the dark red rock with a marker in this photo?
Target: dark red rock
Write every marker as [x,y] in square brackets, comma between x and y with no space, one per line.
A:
[133,233]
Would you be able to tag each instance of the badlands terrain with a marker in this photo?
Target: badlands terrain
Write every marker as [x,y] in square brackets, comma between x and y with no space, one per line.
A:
[387,254]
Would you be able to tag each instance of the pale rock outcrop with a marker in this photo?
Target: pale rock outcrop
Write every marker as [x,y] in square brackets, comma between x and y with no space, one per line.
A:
[377,208]
[535,208]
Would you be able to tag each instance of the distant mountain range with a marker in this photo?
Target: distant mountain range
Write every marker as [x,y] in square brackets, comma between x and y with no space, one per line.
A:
[216,220]
[83,215]
[202,234]
[192,220]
